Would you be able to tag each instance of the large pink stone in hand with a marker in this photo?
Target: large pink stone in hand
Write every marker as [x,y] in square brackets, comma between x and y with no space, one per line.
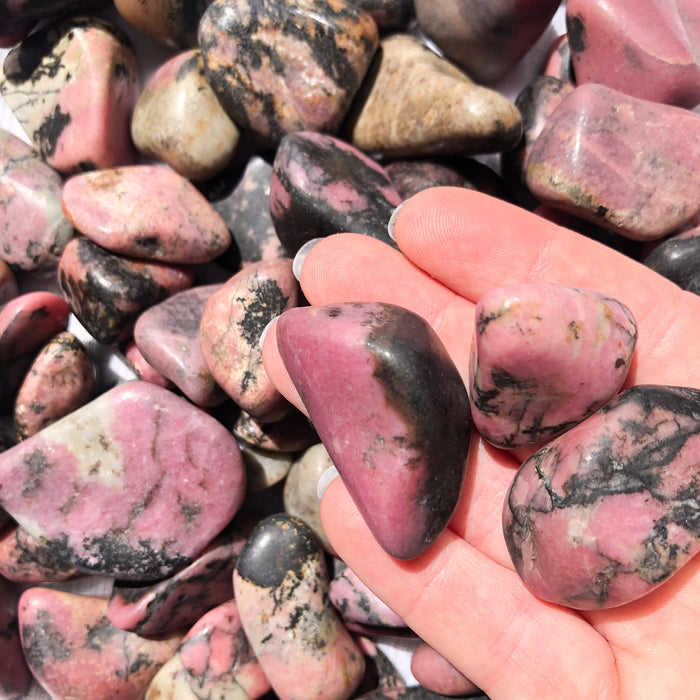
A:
[545,356]
[608,511]
[132,485]
[391,409]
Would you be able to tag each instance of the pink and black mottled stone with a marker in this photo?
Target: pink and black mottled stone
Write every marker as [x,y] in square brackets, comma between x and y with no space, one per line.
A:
[108,292]
[678,259]
[608,511]
[279,66]
[391,409]
[322,185]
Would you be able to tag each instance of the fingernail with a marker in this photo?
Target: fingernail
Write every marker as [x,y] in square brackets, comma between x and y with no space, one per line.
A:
[392,221]
[301,255]
[266,329]
[325,479]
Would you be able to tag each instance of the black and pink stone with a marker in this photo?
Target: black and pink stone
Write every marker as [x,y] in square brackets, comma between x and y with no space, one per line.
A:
[75,652]
[279,66]
[391,409]
[543,357]
[179,601]
[322,185]
[605,513]
[133,485]
[15,677]
[281,588]
[678,258]
[388,14]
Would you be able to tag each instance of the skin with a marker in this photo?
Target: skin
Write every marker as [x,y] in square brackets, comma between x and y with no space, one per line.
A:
[462,596]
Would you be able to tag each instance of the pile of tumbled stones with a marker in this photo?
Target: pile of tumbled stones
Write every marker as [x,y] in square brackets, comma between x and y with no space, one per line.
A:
[169,212]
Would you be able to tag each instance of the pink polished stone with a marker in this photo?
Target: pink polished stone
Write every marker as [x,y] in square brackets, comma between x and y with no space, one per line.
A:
[142,369]
[545,356]
[630,165]
[72,86]
[558,64]
[644,48]
[145,211]
[133,485]
[74,651]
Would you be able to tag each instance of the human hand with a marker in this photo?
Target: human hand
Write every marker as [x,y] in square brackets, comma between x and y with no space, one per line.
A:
[463,596]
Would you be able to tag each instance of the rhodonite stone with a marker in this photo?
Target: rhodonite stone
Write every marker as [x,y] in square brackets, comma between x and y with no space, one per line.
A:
[388,14]
[544,356]
[74,651]
[166,218]
[33,229]
[558,64]
[15,678]
[133,485]
[291,433]
[137,363]
[73,85]
[167,335]
[60,379]
[484,37]
[400,436]
[108,293]
[214,660]
[322,185]
[608,511]
[643,48]
[163,128]
[417,103]
[179,601]
[233,319]
[281,588]
[280,66]
[678,259]
[434,672]
[654,186]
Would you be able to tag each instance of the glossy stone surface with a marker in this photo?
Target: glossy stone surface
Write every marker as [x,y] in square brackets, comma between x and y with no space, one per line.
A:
[67,637]
[485,37]
[145,211]
[434,672]
[643,48]
[400,436]
[60,380]
[73,85]
[137,363]
[417,103]
[544,357]
[15,678]
[678,259]
[322,185]
[229,334]
[265,468]
[558,64]
[281,588]
[280,66]
[163,128]
[33,229]
[608,511]
[107,292]
[629,165]
[214,660]
[291,433]
[132,485]
[167,335]
[178,602]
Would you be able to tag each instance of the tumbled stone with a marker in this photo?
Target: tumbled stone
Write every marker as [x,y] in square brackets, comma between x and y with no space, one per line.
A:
[60,380]
[229,334]
[107,292]
[280,66]
[322,185]
[179,601]
[167,335]
[33,229]
[380,670]
[678,259]
[163,127]
[544,356]
[417,103]
[434,672]
[558,63]
[608,511]
[400,436]
[265,468]
[145,211]
[281,588]
[74,651]
[15,678]
[485,38]
[388,14]
[627,164]
[214,660]
[291,433]
[137,363]
[643,48]
[171,22]
[73,85]
[26,560]
[132,485]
